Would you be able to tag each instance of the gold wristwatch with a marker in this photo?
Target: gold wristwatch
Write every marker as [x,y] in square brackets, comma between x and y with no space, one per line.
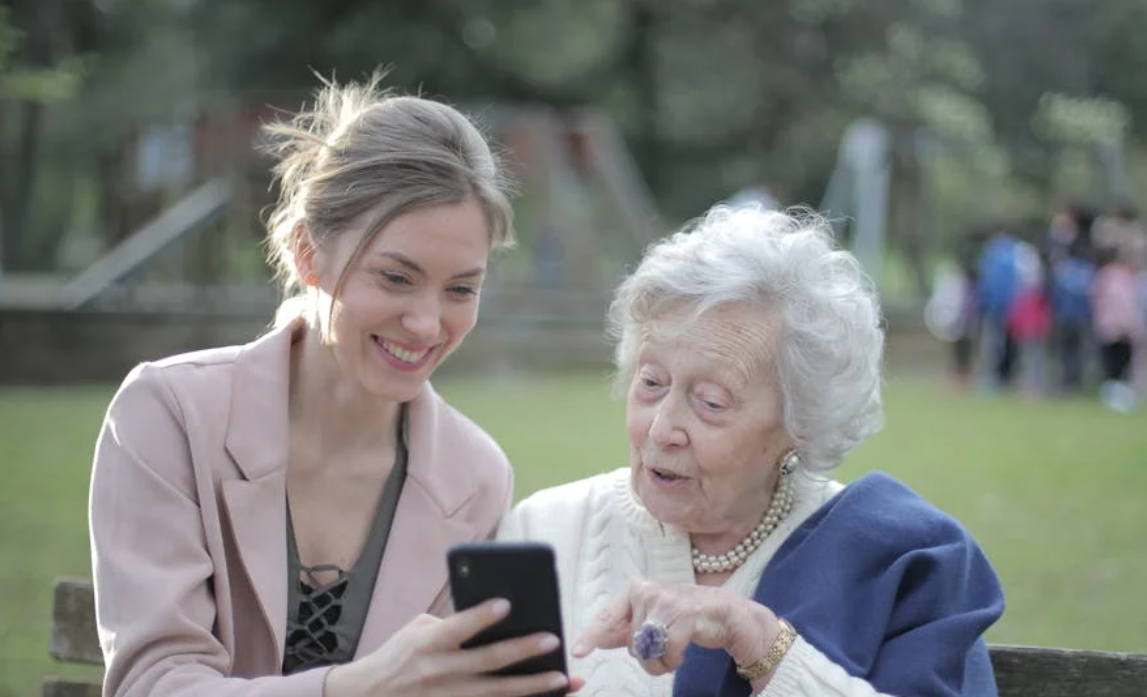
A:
[770,660]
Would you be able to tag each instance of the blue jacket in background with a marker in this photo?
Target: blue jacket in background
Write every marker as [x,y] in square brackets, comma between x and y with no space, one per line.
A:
[1071,291]
[996,287]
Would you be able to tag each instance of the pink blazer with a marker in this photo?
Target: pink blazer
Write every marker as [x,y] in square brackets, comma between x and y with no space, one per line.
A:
[188,524]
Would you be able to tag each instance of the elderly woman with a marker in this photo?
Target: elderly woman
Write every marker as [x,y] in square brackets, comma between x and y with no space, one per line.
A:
[723,560]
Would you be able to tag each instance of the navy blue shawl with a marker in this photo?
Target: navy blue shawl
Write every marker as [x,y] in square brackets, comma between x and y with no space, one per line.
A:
[886,585]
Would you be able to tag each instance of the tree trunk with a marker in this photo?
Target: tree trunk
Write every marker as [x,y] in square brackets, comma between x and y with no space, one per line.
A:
[19,187]
[23,187]
[907,226]
[16,187]
[640,56]
[7,237]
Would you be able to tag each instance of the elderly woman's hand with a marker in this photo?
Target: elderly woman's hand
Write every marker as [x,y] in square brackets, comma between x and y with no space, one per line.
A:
[710,617]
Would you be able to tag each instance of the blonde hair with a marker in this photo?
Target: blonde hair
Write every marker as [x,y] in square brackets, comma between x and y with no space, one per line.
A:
[361,150]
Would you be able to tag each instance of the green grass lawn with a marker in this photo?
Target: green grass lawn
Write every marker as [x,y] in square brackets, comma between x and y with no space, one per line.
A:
[1055,492]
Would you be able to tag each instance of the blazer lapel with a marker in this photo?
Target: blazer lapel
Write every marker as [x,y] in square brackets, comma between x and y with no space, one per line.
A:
[258,441]
[413,570]
[258,515]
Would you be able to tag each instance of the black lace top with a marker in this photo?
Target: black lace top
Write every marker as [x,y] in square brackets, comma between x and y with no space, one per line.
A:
[325,617]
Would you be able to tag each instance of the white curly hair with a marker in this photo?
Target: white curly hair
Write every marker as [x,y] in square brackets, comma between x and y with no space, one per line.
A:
[830,346]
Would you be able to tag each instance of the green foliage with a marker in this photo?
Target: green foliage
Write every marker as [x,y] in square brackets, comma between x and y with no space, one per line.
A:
[814,12]
[1076,120]
[920,76]
[9,38]
[56,84]
[591,33]
[954,114]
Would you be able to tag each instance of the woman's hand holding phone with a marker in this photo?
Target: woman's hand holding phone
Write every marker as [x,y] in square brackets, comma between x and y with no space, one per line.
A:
[426,658]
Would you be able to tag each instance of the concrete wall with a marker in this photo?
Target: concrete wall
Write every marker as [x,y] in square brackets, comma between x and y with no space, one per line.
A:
[46,347]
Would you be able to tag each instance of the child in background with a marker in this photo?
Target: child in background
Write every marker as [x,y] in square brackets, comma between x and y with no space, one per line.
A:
[996,279]
[1137,257]
[1071,278]
[951,316]
[1030,322]
[1119,326]
[1139,357]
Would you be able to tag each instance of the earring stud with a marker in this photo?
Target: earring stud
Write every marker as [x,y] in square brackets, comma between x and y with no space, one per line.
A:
[790,463]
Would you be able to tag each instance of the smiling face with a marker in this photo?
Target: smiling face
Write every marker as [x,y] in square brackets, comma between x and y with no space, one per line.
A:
[704,418]
[408,300]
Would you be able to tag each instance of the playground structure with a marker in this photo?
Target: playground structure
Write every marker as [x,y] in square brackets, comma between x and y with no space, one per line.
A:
[583,203]
[193,273]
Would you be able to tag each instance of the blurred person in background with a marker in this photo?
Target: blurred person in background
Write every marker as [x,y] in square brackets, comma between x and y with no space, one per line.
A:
[724,560]
[1071,225]
[996,291]
[1120,231]
[273,519]
[1119,322]
[1135,244]
[1139,357]
[951,316]
[1030,322]
[1071,277]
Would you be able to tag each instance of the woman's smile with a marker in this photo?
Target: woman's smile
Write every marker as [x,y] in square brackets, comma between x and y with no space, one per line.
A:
[401,357]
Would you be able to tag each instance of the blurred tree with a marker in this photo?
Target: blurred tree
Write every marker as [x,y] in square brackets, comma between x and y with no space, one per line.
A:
[1035,48]
[923,81]
[1115,40]
[126,66]
[554,51]
[712,95]
[149,77]
[37,66]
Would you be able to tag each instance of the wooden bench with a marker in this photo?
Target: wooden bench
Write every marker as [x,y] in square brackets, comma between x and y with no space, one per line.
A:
[1021,671]
[72,636]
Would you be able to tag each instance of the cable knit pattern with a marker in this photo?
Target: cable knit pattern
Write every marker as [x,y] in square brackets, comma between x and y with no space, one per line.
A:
[603,538]
[806,672]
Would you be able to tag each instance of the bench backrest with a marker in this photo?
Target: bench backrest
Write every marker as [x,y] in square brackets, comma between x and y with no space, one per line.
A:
[1021,671]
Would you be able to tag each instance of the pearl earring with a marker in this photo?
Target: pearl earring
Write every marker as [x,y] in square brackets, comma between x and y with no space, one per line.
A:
[790,463]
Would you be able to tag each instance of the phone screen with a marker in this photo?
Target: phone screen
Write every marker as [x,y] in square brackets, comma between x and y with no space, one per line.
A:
[523,573]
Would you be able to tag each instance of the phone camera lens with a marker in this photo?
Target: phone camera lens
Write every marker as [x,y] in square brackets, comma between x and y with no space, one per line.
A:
[464,568]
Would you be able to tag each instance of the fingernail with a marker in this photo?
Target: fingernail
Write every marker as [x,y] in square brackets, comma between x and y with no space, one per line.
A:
[579,649]
[500,607]
[549,642]
[558,680]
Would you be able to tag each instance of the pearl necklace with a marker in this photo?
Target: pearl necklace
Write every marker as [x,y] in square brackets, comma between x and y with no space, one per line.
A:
[779,508]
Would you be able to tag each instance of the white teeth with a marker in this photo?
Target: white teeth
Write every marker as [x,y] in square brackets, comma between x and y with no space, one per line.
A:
[402,354]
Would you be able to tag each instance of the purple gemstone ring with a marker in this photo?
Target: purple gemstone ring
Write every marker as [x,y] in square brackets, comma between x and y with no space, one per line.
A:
[650,641]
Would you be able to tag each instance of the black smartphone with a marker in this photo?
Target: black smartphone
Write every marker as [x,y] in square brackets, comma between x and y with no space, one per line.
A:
[523,573]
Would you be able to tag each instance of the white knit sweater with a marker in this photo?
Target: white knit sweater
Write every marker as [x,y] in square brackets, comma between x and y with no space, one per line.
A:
[603,538]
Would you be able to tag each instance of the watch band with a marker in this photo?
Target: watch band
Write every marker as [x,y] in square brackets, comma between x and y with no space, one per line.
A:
[772,658]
